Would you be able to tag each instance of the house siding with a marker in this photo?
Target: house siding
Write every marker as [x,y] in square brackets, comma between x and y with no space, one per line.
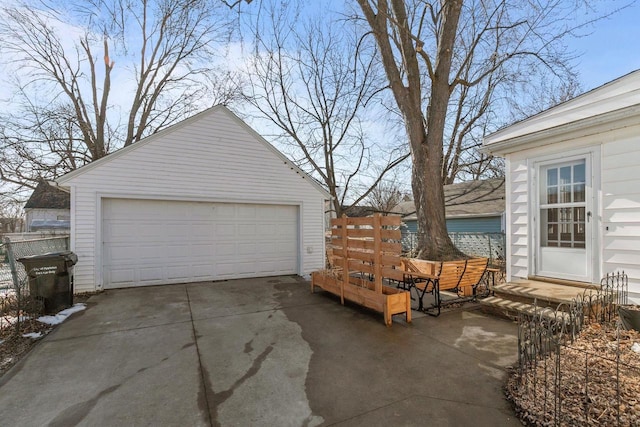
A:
[474,225]
[211,158]
[621,207]
[44,214]
[462,225]
[617,243]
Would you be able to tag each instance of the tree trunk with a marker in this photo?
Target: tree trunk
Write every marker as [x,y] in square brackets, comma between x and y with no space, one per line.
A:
[433,239]
[425,136]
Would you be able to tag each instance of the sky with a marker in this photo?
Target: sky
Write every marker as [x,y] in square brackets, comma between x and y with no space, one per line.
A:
[611,50]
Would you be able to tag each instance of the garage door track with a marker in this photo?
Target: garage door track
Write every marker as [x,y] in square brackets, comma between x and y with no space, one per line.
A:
[259,352]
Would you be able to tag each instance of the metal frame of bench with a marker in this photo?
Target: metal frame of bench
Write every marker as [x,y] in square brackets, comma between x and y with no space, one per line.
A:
[455,276]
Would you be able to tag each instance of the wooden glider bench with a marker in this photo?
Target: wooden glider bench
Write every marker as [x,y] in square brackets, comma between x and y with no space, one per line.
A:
[461,277]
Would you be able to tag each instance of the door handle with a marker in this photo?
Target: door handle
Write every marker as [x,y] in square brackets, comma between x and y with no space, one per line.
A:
[588,216]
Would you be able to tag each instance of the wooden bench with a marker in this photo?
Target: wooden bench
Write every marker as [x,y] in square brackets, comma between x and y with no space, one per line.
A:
[461,277]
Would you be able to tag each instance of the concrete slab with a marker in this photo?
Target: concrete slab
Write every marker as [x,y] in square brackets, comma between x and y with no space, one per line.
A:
[111,379]
[259,352]
[126,309]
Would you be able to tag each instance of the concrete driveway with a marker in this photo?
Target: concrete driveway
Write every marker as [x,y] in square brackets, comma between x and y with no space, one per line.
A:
[259,352]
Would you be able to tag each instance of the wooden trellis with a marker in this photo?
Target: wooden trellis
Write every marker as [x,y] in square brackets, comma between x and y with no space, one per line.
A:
[366,251]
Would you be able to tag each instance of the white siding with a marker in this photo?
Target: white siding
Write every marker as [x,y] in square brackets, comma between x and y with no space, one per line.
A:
[211,157]
[518,208]
[621,207]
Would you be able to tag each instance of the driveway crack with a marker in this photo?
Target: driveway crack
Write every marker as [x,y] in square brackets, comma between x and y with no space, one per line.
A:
[206,391]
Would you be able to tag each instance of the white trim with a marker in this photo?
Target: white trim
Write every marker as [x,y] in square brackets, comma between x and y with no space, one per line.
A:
[577,129]
[508,219]
[72,218]
[613,101]
[592,155]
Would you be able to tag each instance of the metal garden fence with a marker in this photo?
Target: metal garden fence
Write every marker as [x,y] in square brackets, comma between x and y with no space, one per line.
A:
[559,382]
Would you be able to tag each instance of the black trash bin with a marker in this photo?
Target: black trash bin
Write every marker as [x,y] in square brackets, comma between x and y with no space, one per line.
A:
[51,279]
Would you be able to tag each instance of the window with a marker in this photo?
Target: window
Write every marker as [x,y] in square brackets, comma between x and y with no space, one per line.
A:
[563,206]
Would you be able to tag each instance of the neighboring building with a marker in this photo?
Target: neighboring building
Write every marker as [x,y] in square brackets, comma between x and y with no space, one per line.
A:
[573,187]
[473,206]
[48,209]
[205,199]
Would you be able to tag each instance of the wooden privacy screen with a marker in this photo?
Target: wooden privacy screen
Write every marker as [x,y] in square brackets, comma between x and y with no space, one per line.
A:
[366,251]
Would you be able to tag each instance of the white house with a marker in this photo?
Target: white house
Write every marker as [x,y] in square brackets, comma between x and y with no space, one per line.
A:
[206,199]
[47,209]
[573,187]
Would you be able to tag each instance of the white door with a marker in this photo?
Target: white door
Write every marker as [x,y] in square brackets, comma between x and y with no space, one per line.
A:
[151,242]
[564,232]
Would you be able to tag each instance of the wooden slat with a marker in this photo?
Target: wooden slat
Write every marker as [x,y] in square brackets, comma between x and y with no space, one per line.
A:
[377,239]
[391,221]
[360,255]
[338,232]
[390,260]
[368,233]
[363,220]
[392,273]
[385,221]
[360,267]
[360,232]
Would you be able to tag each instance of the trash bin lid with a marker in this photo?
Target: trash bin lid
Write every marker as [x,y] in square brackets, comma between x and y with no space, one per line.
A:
[67,255]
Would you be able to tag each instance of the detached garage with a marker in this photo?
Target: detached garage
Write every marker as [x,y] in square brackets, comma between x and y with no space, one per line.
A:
[206,199]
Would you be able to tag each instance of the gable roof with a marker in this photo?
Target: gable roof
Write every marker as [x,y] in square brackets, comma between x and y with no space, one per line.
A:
[46,196]
[603,105]
[466,200]
[219,109]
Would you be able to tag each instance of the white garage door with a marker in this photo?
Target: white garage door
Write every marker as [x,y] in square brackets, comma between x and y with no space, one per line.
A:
[151,242]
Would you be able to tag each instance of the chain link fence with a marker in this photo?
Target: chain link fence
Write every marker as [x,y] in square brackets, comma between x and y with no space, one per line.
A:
[15,304]
[483,245]
[11,251]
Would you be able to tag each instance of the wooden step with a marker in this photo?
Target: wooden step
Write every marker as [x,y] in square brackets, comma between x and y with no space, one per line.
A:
[510,309]
[573,283]
[545,293]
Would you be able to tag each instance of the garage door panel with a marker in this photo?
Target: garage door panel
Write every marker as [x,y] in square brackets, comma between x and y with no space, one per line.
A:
[152,242]
[180,272]
[245,249]
[223,211]
[151,273]
[119,276]
[246,211]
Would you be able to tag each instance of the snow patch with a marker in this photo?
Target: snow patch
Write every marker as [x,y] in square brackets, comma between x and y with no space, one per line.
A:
[33,335]
[636,347]
[62,316]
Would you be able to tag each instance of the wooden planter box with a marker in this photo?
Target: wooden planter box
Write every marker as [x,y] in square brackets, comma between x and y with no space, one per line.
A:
[366,247]
[362,292]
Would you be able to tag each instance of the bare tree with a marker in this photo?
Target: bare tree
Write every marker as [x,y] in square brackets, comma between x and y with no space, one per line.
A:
[449,63]
[10,214]
[318,85]
[72,104]
[386,195]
